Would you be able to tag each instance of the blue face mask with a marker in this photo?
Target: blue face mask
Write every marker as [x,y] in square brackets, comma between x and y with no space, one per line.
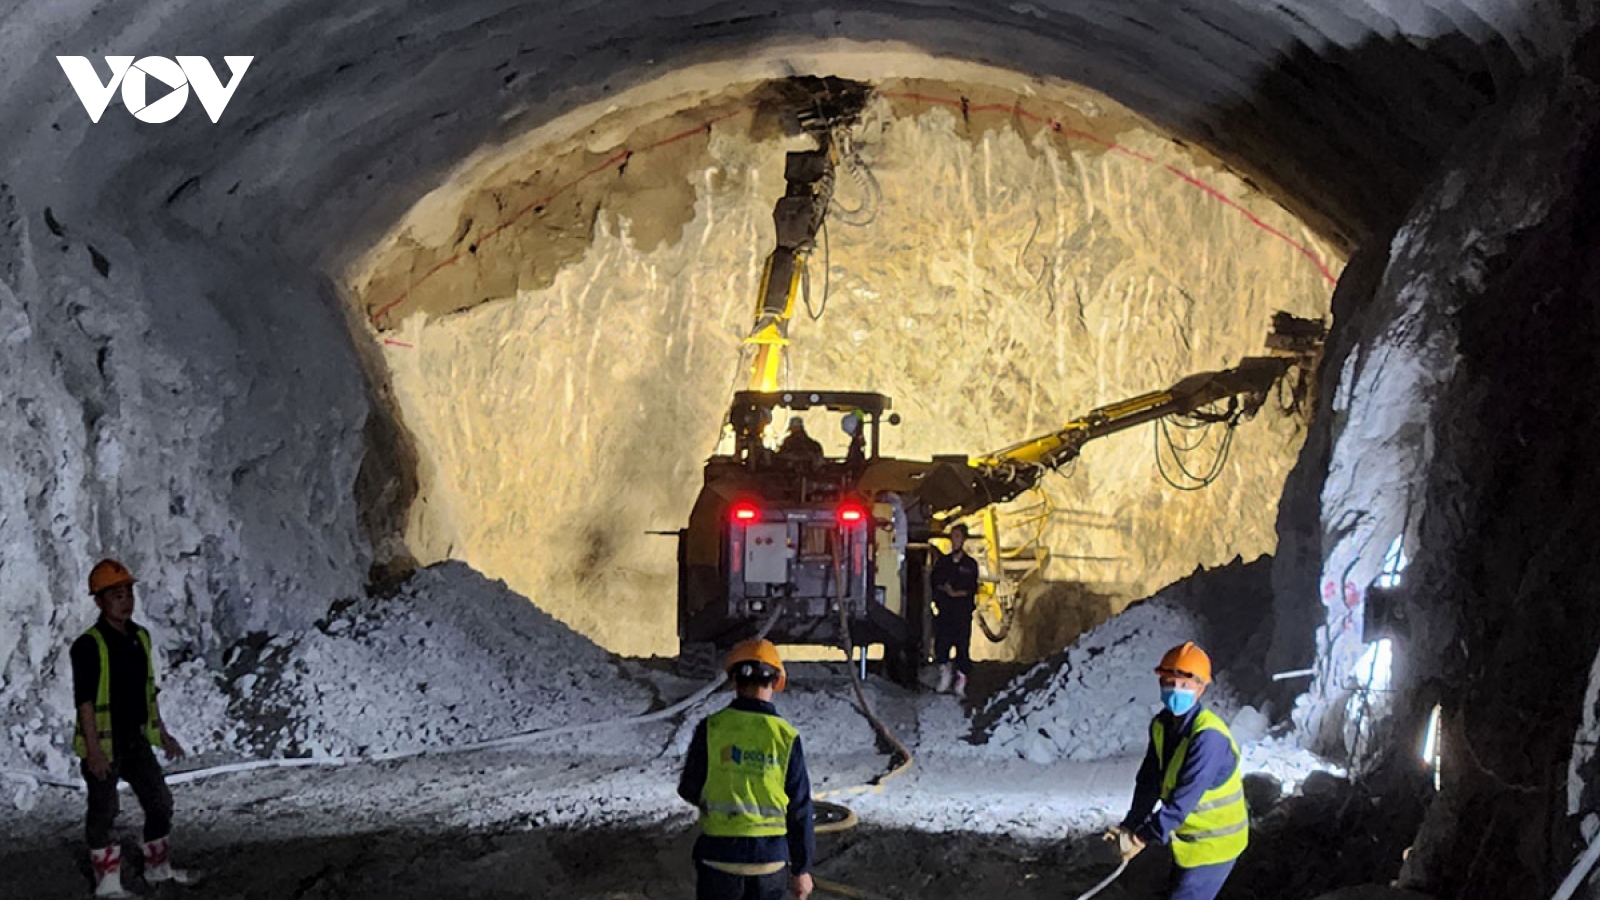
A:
[1177,700]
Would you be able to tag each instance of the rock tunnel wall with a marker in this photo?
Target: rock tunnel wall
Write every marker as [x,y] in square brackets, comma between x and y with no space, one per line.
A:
[185,395]
[1502,606]
[1461,425]
[194,420]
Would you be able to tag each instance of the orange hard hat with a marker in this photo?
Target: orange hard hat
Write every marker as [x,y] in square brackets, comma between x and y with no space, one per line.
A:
[1186,660]
[108,573]
[763,653]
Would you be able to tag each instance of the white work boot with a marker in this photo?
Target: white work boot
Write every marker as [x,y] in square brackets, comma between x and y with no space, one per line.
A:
[944,679]
[107,862]
[960,686]
[158,866]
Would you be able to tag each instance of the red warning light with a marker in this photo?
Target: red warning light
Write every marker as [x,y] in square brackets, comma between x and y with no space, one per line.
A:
[851,514]
[744,512]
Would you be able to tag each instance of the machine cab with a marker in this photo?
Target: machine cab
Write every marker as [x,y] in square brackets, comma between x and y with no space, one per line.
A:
[782,527]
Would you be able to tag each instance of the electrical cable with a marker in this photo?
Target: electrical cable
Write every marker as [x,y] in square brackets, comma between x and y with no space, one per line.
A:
[1217,462]
[805,288]
[827,268]
[1287,402]
[832,818]
[1197,481]
[1201,433]
[900,751]
[827,277]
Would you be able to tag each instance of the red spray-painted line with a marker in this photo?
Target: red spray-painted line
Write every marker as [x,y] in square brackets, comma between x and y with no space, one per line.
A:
[394,343]
[620,158]
[1017,110]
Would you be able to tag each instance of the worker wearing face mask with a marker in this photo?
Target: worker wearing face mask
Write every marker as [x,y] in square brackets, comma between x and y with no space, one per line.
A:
[1188,792]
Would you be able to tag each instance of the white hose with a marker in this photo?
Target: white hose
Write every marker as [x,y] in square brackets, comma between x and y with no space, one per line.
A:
[30,777]
[1579,872]
[1104,884]
[525,737]
[192,775]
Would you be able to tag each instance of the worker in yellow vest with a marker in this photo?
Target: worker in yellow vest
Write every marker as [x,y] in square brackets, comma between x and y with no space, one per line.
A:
[746,773]
[1188,792]
[119,721]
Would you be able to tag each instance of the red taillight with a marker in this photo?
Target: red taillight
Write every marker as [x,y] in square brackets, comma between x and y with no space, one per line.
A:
[851,514]
[744,513]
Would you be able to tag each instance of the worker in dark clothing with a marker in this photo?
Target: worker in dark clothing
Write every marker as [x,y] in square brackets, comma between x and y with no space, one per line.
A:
[119,721]
[798,445]
[746,773]
[855,456]
[954,582]
[1188,792]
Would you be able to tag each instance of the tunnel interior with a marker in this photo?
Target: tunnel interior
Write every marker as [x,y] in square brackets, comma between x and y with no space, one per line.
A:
[561,324]
[416,344]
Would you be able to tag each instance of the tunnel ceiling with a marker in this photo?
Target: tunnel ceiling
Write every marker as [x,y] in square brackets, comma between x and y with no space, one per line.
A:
[349,113]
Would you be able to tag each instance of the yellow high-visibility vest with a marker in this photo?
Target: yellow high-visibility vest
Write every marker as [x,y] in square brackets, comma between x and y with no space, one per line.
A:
[1218,828]
[746,775]
[102,699]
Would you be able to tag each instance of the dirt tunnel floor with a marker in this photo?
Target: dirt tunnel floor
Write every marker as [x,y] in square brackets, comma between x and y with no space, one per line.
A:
[596,816]
[589,864]
[638,863]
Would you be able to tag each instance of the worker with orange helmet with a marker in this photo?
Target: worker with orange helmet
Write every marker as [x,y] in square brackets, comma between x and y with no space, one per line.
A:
[746,773]
[119,721]
[1188,792]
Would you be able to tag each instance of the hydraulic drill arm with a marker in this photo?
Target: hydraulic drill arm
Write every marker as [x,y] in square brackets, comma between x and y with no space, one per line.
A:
[825,109]
[798,216]
[953,487]
[1248,382]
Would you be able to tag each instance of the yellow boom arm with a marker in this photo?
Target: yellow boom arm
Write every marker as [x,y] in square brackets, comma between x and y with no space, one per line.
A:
[954,487]
[1249,381]
[798,216]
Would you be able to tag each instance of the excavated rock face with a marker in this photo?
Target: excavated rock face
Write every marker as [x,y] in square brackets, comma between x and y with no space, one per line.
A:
[1028,258]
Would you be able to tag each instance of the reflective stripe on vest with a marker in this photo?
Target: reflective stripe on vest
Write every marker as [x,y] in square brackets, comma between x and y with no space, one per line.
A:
[746,774]
[102,699]
[1218,828]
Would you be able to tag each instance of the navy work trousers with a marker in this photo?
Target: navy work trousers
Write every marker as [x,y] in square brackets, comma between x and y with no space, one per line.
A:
[712,884]
[1199,882]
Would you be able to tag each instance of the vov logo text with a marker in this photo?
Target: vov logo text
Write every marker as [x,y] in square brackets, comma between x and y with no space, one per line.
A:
[133,77]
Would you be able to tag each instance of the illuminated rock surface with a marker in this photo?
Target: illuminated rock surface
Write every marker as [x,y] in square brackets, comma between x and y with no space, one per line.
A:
[1014,276]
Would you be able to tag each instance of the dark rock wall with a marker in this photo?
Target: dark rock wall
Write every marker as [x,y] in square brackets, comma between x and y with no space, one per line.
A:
[1464,422]
[1504,612]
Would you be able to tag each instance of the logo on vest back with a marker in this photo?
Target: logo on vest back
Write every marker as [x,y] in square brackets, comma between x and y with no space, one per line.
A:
[748,759]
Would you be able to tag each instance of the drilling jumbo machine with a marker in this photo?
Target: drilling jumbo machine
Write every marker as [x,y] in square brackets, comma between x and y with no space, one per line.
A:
[834,551]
